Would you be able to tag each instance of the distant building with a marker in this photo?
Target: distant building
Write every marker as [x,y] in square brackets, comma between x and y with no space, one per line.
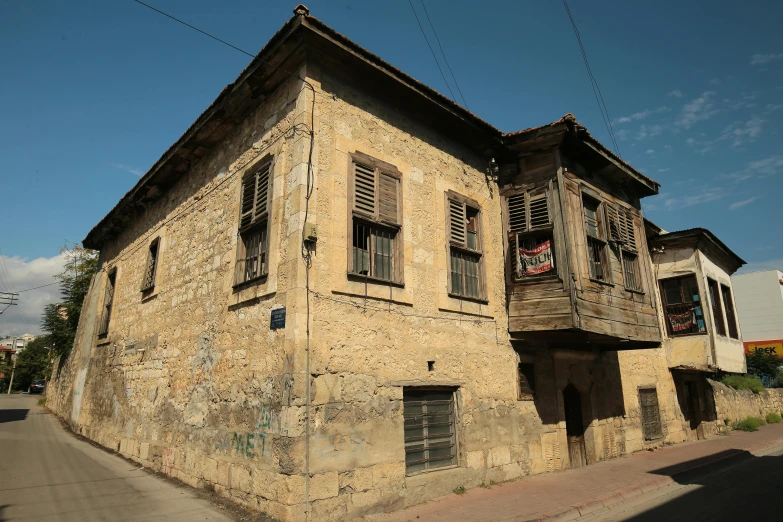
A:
[18,343]
[6,358]
[760,308]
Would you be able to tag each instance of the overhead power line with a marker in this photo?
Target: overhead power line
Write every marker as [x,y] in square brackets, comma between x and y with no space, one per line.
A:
[432,51]
[444,55]
[37,287]
[599,98]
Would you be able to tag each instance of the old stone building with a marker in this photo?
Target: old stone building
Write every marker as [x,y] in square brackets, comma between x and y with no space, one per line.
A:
[339,291]
[701,331]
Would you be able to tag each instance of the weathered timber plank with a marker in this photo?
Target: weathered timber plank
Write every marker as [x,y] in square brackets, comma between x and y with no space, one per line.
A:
[540,323]
[613,313]
[528,307]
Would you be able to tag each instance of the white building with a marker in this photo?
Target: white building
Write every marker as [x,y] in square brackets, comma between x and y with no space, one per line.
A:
[18,343]
[759,298]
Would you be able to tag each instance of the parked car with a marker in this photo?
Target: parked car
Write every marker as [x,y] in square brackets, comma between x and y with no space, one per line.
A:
[37,386]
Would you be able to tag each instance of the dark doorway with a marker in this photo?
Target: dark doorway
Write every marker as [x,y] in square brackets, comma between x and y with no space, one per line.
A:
[575,428]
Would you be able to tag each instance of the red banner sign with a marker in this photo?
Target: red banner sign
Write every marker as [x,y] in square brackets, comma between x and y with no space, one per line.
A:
[536,261]
[680,322]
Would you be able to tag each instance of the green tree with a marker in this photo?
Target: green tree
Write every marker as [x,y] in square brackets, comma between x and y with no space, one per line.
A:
[764,365]
[60,321]
[32,363]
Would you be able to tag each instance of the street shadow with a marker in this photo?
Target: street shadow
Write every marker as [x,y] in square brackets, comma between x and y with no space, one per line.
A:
[2,512]
[740,486]
[13,415]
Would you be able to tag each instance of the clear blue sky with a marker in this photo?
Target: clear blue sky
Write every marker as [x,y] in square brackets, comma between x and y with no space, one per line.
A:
[92,93]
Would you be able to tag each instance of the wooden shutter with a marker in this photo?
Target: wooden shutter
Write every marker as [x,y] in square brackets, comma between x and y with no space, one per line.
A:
[152,266]
[255,195]
[387,198]
[539,212]
[628,230]
[516,213]
[651,420]
[613,216]
[457,228]
[364,189]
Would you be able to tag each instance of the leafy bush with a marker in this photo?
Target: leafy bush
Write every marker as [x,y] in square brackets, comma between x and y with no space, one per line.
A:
[773,418]
[763,364]
[459,490]
[743,382]
[749,424]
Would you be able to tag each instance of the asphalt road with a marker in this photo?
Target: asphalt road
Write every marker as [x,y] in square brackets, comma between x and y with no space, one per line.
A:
[46,474]
[748,488]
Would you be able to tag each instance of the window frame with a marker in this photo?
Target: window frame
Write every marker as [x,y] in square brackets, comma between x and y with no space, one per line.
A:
[374,220]
[418,391]
[658,423]
[718,315]
[151,267]
[109,293]
[259,224]
[666,304]
[636,266]
[600,240]
[454,246]
[526,231]
[729,311]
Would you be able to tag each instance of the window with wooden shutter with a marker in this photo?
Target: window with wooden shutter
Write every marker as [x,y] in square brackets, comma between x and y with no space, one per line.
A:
[622,232]
[530,234]
[650,413]
[731,317]
[252,246]
[717,308]
[151,268]
[108,303]
[375,251]
[466,272]
[595,234]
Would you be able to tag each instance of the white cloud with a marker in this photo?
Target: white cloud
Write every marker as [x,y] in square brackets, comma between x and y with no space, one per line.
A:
[667,169]
[740,204]
[646,131]
[641,115]
[667,147]
[770,264]
[698,109]
[715,81]
[25,317]
[761,59]
[760,168]
[136,172]
[650,151]
[676,93]
[667,201]
[740,133]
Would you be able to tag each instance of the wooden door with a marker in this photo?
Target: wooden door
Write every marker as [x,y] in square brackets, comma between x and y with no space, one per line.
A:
[694,409]
[575,429]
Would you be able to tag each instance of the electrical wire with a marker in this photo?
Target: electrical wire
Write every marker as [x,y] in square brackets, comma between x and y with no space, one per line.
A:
[599,98]
[37,287]
[444,55]
[432,51]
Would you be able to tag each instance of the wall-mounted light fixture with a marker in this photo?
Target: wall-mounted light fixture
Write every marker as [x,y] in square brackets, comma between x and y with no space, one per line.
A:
[493,171]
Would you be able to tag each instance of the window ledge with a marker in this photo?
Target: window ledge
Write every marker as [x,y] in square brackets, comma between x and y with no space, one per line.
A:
[374,280]
[548,278]
[675,336]
[102,341]
[249,282]
[526,397]
[631,290]
[600,282]
[656,438]
[145,297]
[478,300]
[429,471]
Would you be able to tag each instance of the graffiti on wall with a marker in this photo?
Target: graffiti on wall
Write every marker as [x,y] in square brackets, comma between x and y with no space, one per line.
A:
[248,443]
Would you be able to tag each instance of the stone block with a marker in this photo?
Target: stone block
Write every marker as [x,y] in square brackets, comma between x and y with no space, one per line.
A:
[358,388]
[144,451]
[209,469]
[324,485]
[357,480]
[475,459]
[240,478]
[388,474]
[362,503]
[327,388]
[331,509]
[222,473]
[519,452]
[499,456]
[534,447]
[291,489]
[265,484]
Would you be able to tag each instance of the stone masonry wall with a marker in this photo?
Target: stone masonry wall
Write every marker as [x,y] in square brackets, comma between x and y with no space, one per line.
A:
[736,405]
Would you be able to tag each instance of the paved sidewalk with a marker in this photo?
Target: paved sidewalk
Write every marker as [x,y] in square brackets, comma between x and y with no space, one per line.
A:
[568,495]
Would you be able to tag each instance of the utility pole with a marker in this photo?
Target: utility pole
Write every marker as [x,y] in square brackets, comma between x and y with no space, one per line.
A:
[11,383]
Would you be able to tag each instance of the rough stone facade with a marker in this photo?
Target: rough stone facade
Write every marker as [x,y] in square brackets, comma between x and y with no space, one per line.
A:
[191,381]
[732,405]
